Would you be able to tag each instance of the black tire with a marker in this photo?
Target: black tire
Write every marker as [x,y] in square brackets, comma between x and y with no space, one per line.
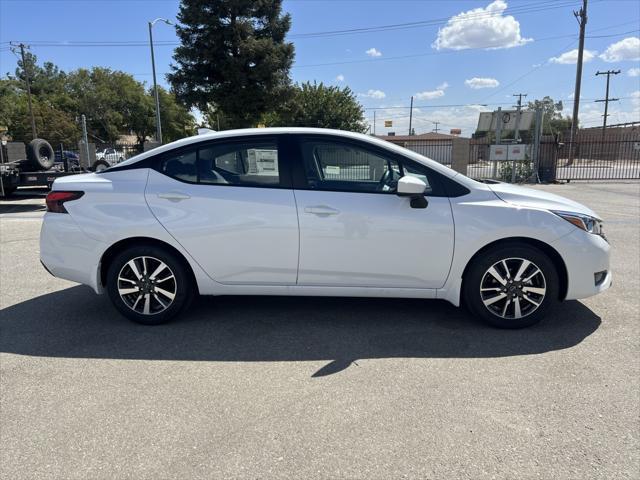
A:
[8,191]
[40,154]
[183,285]
[100,165]
[512,290]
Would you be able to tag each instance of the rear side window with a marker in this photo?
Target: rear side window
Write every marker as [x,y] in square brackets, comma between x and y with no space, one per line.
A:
[240,163]
[251,163]
[182,166]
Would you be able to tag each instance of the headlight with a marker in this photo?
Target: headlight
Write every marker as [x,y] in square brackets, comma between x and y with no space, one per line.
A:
[583,222]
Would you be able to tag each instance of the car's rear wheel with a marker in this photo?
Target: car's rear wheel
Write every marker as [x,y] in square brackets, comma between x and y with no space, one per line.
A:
[148,284]
[511,286]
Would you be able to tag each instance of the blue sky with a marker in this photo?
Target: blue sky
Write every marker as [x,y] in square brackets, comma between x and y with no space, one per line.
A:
[453,52]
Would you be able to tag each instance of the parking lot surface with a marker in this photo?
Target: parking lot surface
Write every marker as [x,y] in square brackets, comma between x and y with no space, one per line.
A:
[317,387]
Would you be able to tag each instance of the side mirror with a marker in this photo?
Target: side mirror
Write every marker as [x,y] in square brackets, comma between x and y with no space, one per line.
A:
[414,188]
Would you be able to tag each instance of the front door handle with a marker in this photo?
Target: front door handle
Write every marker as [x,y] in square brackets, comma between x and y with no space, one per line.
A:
[174,196]
[321,210]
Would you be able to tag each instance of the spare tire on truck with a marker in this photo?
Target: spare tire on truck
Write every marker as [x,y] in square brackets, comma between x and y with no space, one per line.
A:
[40,154]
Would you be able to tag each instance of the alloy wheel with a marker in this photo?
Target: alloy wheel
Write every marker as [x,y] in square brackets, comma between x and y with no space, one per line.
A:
[147,285]
[513,288]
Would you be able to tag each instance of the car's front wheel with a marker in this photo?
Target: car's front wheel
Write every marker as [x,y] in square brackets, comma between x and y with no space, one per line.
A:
[148,284]
[511,286]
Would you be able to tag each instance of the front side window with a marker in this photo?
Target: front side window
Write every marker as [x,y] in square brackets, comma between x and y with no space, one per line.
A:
[340,166]
[418,171]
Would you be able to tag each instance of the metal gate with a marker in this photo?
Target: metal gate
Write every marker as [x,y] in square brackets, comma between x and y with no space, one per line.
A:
[592,160]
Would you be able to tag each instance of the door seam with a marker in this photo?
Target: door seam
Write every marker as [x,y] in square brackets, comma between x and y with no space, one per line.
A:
[295,200]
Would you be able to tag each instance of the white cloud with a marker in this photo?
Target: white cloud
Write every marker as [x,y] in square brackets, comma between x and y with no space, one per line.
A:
[431,94]
[481,82]
[340,78]
[626,49]
[373,94]
[571,57]
[634,72]
[372,52]
[635,98]
[481,28]
[465,118]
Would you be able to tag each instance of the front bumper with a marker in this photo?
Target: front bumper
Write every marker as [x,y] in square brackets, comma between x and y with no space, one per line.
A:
[585,255]
[66,252]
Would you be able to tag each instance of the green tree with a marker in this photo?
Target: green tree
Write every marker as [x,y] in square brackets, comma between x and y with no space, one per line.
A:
[233,58]
[322,106]
[177,120]
[10,99]
[45,81]
[113,102]
[552,115]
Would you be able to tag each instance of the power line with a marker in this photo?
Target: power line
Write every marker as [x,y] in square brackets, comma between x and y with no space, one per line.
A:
[546,5]
[436,106]
[529,8]
[171,43]
[529,72]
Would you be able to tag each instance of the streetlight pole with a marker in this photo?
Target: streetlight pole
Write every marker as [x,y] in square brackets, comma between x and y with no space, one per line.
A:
[155,84]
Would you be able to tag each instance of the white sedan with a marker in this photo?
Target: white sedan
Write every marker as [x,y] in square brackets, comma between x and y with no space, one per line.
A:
[296,211]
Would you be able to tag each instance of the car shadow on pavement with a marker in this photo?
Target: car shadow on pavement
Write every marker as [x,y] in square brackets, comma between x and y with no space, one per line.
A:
[75,323]
[21,207]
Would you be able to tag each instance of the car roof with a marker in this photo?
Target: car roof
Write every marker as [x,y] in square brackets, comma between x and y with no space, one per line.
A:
[245,132]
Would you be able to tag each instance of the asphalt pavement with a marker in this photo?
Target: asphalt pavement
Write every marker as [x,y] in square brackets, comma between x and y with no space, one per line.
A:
[317,388]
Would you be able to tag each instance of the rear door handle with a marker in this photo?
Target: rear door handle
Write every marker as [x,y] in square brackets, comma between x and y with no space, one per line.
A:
[321,210]
[174,196]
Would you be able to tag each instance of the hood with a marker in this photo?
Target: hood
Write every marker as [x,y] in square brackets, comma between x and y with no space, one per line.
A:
[528,197]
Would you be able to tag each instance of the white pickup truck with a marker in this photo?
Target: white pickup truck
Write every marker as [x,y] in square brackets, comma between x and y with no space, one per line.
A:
[107,158]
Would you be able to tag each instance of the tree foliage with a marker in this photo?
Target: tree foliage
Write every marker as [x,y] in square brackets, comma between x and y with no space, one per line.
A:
[177,121]
[321,106]
[552,115]
[113,102]
[233,59]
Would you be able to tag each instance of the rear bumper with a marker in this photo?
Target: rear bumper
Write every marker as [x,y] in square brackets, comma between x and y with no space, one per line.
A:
[585,255]
[66,252]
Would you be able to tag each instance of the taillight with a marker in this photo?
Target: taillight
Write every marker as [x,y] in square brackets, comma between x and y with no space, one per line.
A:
[56,200]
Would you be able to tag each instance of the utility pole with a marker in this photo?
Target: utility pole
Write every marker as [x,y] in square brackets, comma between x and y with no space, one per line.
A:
[498,139]
[85,139]
[606,98]
[518,106]
[516,132]
[436,124]
[155,84]
[581,16]
[537,133]
[410,115]
[27,79]
[374,123]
